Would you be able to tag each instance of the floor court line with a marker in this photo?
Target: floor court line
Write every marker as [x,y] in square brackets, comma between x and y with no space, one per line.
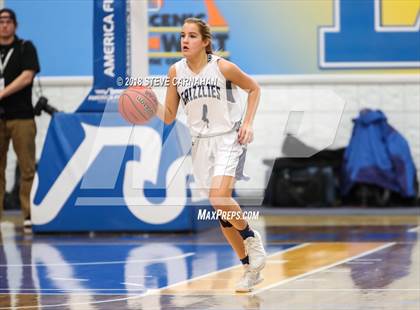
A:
[133,284]
[343,289]
[157,291]
[376,249]
[64,290]
[149,292]
[372,247]
[104,263]
[414,229]
[72,304]
[302,261]
[69,279]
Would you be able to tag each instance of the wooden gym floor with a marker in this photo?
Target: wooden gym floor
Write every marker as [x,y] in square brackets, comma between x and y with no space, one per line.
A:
[315,262]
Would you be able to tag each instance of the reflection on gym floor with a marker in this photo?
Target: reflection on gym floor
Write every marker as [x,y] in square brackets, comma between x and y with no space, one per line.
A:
[309,267]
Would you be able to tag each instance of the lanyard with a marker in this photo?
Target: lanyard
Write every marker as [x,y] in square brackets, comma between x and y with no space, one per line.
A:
[6,60]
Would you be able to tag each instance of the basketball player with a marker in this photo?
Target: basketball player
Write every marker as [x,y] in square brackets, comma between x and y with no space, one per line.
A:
[220,133]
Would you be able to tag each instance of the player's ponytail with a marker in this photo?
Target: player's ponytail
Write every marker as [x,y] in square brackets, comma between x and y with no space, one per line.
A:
[205,31]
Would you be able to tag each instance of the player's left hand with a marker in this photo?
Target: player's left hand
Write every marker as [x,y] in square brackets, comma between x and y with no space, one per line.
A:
[245,134]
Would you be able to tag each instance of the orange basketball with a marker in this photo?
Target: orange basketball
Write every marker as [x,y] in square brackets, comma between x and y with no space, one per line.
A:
[137,105]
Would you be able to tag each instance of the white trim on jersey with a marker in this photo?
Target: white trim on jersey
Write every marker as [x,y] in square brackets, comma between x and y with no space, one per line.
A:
[211,102]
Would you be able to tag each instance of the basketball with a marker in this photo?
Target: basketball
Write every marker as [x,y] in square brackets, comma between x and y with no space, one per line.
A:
[137,105]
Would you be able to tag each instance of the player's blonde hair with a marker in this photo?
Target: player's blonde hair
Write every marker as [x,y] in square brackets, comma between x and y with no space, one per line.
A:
[204,29]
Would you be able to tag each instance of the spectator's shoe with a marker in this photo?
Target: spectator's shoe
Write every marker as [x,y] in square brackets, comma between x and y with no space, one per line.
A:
[256,253]
[27,224]
[248,280]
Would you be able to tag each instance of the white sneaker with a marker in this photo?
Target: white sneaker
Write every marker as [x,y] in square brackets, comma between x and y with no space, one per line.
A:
[256,253]
[27,223]
[248,280]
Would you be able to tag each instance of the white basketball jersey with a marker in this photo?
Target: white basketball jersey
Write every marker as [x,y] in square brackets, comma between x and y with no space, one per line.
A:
[210,101]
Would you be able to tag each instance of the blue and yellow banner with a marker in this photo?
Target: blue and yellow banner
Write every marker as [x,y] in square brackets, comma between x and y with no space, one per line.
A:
[295,37]
[283,37]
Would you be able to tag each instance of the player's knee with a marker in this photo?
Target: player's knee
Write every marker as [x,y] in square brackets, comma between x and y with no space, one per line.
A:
[219,197]
[224,223]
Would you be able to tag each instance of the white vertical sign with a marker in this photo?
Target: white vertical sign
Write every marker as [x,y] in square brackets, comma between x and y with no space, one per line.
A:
[139,38]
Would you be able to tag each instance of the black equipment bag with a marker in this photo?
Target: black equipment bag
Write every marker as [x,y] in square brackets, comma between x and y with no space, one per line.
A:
[305,182]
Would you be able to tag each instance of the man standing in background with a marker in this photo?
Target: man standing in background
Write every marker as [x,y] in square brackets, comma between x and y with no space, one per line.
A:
[18,67]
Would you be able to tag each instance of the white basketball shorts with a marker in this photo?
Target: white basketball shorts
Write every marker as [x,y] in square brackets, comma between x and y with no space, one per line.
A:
[217,156]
